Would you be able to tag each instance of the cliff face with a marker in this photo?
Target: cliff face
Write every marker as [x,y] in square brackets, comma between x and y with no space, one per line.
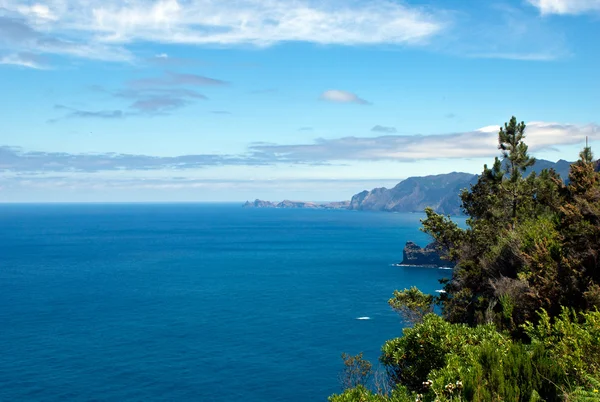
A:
[416,193]
[296,204]
[428,256]
[440,192]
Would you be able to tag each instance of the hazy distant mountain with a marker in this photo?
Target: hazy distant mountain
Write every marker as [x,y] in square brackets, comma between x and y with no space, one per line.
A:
[416,193]
[561,167]
[441,192]
[296,204]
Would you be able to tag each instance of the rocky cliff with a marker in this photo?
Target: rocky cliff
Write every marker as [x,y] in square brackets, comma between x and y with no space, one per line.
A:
[441,192]
[428,256]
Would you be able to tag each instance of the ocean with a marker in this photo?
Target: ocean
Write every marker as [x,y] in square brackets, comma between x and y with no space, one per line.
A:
[195,302]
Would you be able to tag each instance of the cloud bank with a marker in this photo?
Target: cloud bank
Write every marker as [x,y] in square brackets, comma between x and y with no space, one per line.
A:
[100,29]
[406,148]
[107,29]
[400,148]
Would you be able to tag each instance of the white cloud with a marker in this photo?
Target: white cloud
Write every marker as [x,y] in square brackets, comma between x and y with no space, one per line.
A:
[479,143]
[30,34]
[339,96]
[39,11]
[256,22]
[103,29]
[572,7]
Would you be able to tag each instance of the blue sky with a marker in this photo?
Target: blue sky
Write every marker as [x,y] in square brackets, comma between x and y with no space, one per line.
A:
[210,100]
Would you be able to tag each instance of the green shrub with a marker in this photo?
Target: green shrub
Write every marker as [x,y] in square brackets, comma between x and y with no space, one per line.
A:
[573,344]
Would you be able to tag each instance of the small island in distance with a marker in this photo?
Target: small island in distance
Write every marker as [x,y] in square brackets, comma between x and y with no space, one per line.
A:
[296,204]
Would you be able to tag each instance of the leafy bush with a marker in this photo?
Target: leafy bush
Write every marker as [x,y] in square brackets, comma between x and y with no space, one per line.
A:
[427,346]
[573,344]
[362,394]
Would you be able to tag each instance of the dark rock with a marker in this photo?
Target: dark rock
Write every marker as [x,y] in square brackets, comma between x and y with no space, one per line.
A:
[428,256]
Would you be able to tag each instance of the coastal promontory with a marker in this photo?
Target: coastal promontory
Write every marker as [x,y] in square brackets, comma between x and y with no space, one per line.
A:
[297,204]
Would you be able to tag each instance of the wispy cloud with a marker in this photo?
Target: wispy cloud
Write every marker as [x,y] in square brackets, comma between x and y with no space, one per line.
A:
[137,93]
[384,129]
[25,59]
[37,12]
[401,148]
[518,56]
[501,31]
[165,60]
[156,105]
[170,79]
[572,7]
[151,100]
[339,96]
[152,96]
[87,114]
[101,29]
[17,160]
[20,34]
[107,29]
[251,21]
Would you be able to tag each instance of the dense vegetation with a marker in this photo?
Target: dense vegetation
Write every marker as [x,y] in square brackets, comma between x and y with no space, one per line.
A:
[519,317]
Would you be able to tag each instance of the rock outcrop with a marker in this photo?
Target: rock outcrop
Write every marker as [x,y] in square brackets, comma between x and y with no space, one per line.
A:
[428,256]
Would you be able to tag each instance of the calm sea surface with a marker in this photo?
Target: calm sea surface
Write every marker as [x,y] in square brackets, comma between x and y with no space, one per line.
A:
[194,302]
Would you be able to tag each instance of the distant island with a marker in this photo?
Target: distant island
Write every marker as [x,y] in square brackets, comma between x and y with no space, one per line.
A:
[414,194]
[296,204]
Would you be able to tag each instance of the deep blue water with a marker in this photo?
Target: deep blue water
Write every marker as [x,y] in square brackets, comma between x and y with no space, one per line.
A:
[194,302]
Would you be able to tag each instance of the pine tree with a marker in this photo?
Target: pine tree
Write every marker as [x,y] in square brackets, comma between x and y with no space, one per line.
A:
[514,152]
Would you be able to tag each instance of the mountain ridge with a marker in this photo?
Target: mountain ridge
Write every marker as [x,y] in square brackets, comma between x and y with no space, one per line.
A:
[413,194]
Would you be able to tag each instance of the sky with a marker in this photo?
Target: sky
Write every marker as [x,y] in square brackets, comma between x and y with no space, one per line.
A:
[212,100]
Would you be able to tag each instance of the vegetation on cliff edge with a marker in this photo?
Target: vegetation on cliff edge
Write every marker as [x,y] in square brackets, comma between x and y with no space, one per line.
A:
[519,317]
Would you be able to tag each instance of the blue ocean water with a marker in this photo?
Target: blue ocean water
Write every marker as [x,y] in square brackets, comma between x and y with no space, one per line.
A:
[194,302]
